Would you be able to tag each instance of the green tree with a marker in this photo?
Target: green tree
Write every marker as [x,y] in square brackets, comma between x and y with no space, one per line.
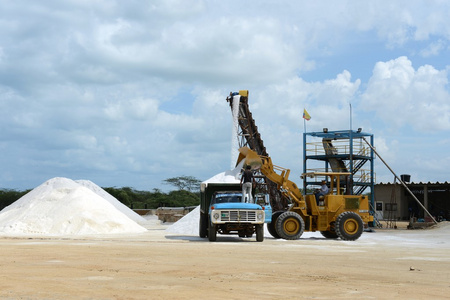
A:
[183,199]
[184,183]
[7,197]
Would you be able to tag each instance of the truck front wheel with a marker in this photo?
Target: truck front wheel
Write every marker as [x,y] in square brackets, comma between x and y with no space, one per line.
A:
[212,233]
[260,232]
[290,225]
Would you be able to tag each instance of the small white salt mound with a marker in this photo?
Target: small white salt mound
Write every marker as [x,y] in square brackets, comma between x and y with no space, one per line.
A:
[187,225]
[111,199]
[60,206]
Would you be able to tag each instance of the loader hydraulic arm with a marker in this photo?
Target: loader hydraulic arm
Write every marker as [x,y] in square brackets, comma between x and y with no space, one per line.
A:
[264,163]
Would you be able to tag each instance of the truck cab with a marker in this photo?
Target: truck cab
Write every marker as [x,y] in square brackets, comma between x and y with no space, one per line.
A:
[222,211]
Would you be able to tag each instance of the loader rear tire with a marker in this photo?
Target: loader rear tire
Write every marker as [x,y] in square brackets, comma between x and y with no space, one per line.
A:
[349,226]
[271,225]
[290,225]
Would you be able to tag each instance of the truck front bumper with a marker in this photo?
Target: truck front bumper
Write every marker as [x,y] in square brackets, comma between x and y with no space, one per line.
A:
[237,216]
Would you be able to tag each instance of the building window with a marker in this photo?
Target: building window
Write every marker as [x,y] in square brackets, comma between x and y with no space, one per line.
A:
[379,206]
[391,206]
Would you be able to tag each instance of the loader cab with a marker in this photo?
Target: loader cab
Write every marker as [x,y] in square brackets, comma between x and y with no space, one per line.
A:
[337,182]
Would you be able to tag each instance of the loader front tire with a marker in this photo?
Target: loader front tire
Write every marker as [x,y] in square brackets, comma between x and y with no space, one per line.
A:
[290,225]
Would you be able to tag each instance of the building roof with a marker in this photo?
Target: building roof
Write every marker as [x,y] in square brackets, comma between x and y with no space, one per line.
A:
[416,183]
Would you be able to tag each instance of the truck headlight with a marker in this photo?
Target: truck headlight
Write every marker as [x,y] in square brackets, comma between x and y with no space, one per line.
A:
[260,215]
[216,215]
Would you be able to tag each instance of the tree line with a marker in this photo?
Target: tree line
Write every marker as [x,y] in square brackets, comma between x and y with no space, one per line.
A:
[187,194]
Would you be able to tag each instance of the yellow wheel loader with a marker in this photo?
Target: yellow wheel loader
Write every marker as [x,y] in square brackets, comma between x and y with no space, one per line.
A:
[335,215]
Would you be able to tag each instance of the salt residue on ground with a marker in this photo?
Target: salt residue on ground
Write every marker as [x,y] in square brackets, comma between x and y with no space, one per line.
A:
[61,206]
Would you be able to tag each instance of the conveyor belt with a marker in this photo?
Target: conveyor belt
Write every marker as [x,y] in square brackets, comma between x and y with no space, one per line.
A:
[250,137]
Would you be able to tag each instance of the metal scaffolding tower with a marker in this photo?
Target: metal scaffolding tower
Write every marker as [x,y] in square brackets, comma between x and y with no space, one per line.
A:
[340,151]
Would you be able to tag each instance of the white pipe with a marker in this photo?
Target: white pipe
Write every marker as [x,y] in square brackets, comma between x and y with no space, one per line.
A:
[401,181]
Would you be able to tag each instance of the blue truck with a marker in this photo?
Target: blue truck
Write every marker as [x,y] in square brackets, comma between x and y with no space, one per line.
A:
[222,211]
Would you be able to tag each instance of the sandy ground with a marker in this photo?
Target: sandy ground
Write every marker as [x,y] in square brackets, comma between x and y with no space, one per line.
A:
[386,264]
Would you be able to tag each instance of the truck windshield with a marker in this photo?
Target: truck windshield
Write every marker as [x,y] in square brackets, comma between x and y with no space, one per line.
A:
[227,198]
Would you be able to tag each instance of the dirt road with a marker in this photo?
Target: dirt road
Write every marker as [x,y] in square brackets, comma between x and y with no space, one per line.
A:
[387,264]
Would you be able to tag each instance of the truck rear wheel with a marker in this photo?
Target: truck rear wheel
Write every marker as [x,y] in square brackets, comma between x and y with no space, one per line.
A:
[260,232]
[271,225]
[290,225]
[212,233]
[202,228]
[349,226]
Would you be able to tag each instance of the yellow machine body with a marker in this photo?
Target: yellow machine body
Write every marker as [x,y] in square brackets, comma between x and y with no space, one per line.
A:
[337,215]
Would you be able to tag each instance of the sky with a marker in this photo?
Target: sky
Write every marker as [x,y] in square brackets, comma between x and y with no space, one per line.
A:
[130,93]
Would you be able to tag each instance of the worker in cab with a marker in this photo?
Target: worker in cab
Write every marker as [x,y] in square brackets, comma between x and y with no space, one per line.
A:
[324,190]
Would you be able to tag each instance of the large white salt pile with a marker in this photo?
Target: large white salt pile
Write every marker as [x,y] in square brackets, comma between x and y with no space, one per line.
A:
[61,206]
[111,199]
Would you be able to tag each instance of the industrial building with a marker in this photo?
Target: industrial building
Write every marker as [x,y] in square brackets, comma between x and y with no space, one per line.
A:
[393,202]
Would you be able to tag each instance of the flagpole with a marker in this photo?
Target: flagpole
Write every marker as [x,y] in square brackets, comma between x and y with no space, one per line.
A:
[351,116]
[304,125]
[306,117]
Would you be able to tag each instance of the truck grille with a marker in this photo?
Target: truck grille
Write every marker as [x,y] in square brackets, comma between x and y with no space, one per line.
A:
[238,216]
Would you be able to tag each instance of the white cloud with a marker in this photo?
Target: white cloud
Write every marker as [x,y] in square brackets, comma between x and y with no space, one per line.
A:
[135,109]
[403,96]
[133,93]
[434,48]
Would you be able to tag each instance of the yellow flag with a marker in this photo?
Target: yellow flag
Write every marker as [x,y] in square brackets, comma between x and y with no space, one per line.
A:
[306,116]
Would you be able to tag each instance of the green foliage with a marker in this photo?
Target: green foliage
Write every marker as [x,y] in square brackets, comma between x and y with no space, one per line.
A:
[151,200]
[185,183]
[184,198]
[7,197]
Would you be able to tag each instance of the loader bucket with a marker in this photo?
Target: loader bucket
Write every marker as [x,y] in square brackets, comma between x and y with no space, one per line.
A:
[251,158]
